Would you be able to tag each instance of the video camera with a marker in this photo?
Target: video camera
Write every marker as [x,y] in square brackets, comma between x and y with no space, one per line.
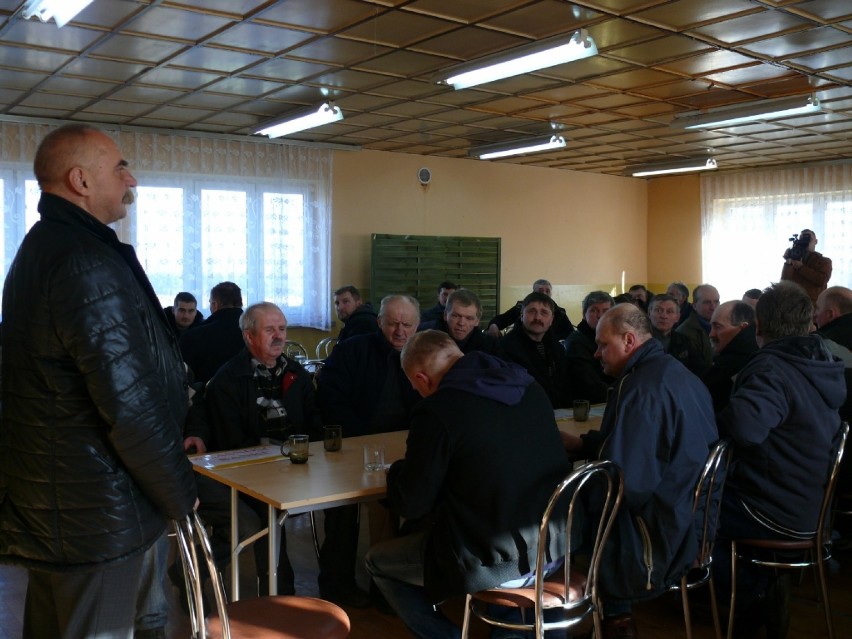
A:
[800,246]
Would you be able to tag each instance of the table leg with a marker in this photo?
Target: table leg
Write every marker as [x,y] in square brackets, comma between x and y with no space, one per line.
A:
[235,544]
[274,546]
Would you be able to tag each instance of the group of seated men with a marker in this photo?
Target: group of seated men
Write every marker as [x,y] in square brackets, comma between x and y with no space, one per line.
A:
[373,382]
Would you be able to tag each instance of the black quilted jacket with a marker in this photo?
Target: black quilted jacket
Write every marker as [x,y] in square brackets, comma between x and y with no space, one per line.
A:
[94,398]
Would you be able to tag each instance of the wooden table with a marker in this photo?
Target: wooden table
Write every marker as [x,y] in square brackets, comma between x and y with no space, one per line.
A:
[326,481]
[566,423]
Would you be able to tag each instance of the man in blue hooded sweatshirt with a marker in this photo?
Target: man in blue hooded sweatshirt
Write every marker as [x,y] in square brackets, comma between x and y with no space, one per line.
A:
[783,422]
[483,457]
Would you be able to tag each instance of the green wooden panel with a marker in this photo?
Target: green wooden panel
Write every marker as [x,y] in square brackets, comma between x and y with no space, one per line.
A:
[416,264]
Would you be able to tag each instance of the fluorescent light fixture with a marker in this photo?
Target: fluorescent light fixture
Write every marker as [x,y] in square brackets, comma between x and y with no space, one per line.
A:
[60,10]
[742,113]
[524,59]
[518,147]
[325,114]
[678,166]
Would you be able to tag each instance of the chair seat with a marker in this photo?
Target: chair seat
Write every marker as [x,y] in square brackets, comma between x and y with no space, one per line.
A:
[282,617]
[778,544]
[554,593]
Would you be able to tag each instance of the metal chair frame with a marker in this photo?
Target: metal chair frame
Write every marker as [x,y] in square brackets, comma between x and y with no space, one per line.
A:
[816,550]
[588,603]
[708,492]
[190,535]
[296,351]
[325,346]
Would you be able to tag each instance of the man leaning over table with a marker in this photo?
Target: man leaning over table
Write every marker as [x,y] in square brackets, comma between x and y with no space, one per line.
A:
[363,389]
[480,416]
[258,393]
[658,427]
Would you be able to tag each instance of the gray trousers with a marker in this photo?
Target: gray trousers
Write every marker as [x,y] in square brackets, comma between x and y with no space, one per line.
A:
[78,605]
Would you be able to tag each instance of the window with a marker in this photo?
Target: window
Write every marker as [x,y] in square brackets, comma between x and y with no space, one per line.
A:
[747,219]
[267,249]
[209,210]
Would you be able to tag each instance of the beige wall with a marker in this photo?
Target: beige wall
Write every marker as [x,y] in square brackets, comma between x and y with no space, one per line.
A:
[674,231]
[579,230]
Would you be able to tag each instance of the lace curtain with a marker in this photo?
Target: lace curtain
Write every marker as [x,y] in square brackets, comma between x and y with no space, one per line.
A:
[208,209]
[747,218]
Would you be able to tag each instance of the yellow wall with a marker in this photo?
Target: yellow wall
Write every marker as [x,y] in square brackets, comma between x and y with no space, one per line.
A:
[674,231]
[579,230]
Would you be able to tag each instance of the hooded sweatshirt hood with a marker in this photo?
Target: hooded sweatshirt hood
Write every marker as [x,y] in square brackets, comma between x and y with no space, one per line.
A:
[489,377]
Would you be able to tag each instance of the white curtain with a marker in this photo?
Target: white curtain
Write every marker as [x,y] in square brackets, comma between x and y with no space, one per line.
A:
[747,219]
[208,209]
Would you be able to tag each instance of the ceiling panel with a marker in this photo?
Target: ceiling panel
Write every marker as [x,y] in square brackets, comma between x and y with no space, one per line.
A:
[226,67]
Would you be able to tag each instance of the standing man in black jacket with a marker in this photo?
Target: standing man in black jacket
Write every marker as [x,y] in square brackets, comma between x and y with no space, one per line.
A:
[94,399]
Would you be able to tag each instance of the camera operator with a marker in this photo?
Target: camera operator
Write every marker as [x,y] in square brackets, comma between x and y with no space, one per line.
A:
[806,267]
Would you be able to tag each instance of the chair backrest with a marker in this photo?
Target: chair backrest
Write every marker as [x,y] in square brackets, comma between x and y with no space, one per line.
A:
[191,535]
[296,351]
[707,498]
[825,511]
[325,346]
[598,479]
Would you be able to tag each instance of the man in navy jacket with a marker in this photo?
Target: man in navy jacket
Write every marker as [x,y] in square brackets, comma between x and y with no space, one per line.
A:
[658,427]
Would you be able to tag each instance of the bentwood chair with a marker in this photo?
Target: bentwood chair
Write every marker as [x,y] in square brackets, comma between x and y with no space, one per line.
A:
[280,617]
[325,346]
[575,594]
[807,553]
[706,502]
[296,351]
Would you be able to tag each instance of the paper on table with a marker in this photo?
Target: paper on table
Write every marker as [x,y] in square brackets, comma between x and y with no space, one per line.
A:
[239,457]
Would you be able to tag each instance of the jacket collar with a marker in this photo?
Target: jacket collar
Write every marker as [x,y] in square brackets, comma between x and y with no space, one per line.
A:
[54,208]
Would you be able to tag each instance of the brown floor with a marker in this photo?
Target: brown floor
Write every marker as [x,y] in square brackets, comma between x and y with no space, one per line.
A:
[659,619]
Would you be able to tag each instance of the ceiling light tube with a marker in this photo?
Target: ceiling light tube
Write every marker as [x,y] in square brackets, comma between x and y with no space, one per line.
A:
[63,11]
[742,113]
[324,115]
[679,166]
[518,147]
[524,59]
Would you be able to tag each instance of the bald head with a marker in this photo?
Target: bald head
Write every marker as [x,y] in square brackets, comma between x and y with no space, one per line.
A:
[83,165]
[427,357]
[832,303]
[620,332]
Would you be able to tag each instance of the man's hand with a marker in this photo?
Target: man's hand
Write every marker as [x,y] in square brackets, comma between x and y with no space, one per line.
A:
[493,331]
[572,443]
[194,445]
[796,264]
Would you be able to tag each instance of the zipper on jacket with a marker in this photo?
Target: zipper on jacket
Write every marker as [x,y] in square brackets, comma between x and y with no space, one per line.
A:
[647,553]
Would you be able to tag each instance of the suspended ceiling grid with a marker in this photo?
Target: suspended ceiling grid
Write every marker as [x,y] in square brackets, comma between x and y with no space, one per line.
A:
[226,66]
